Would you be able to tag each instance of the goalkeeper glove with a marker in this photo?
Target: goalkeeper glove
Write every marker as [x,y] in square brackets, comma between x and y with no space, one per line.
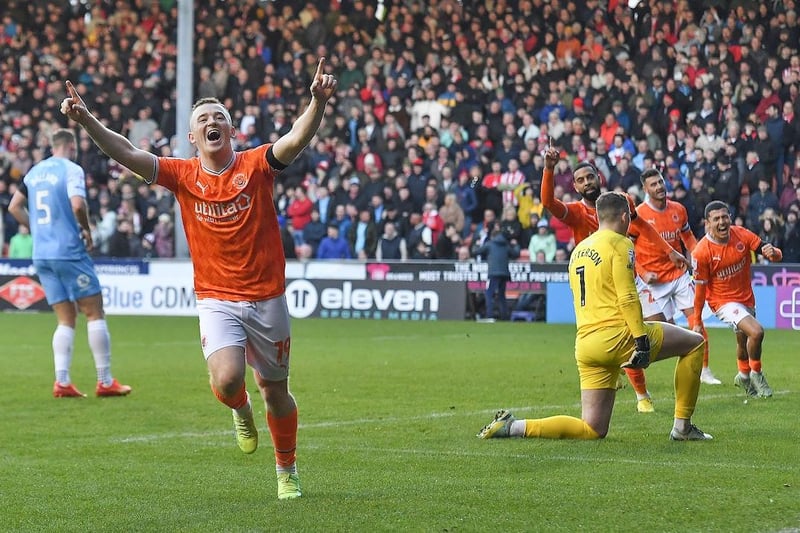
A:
[641,354]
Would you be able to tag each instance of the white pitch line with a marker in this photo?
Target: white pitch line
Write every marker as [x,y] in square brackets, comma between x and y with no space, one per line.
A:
[383,420]
[317,425]
[406,337]
[533,455]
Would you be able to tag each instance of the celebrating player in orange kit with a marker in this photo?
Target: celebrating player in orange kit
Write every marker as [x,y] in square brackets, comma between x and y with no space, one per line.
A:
[663,289]
[226,201]
[581,215]
[721,263]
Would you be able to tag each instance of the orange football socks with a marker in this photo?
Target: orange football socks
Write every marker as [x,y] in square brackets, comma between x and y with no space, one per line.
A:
[638,381]
[284,438]
[745,366]
[234,402]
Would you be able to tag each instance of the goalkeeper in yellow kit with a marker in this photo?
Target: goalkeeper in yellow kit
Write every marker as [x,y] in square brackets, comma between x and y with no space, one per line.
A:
[613,335]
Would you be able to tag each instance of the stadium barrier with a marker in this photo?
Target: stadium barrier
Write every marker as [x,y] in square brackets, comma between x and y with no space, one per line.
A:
[435,290]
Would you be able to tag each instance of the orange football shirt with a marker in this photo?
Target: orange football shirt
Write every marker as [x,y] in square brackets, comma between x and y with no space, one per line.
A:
[577,215]
[672,223]
[581,218]
[725,268]
[231,225]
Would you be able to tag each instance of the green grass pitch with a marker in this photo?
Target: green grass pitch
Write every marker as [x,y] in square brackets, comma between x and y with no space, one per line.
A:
[388,417]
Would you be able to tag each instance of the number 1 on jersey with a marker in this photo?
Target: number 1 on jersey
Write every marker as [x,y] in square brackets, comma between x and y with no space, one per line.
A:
[582,281]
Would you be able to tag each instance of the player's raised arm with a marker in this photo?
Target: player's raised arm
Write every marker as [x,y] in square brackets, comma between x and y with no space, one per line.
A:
[771,252]
[547,193]
[305,127]
[114,145]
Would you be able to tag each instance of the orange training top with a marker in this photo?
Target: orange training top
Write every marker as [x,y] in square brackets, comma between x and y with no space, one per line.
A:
[231,225]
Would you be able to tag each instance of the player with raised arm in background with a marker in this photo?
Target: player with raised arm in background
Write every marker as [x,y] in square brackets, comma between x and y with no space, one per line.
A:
[228,213]
[611,333]
[51,200]
[721,263]
[581,217]
[663,289]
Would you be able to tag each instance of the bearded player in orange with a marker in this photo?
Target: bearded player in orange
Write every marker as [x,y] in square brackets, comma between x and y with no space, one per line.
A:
[239,267]
[581,217]
[663,289]
[721,262]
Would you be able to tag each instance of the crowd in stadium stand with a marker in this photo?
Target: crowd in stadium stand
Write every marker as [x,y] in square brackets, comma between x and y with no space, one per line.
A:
[443,111]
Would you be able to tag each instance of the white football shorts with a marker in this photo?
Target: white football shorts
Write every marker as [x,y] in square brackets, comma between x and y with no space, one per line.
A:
[261,328]
[733,313]
[668,298]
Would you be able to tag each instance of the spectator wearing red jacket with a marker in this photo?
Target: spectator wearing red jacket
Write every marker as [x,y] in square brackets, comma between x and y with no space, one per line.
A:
[432,219]
[299,210]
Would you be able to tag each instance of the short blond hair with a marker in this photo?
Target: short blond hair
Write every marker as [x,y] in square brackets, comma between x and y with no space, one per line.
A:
[62,137]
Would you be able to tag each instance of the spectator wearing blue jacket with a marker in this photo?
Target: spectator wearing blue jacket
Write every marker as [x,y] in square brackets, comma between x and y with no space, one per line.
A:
[553,104]
[334,246]
[498,251]
[622,116]
[467,200]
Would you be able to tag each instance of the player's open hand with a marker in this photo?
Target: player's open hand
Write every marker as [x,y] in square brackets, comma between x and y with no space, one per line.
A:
[324,85]
[73,105]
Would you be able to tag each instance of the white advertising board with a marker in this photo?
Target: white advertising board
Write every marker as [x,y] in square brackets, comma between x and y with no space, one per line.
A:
[166,290]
